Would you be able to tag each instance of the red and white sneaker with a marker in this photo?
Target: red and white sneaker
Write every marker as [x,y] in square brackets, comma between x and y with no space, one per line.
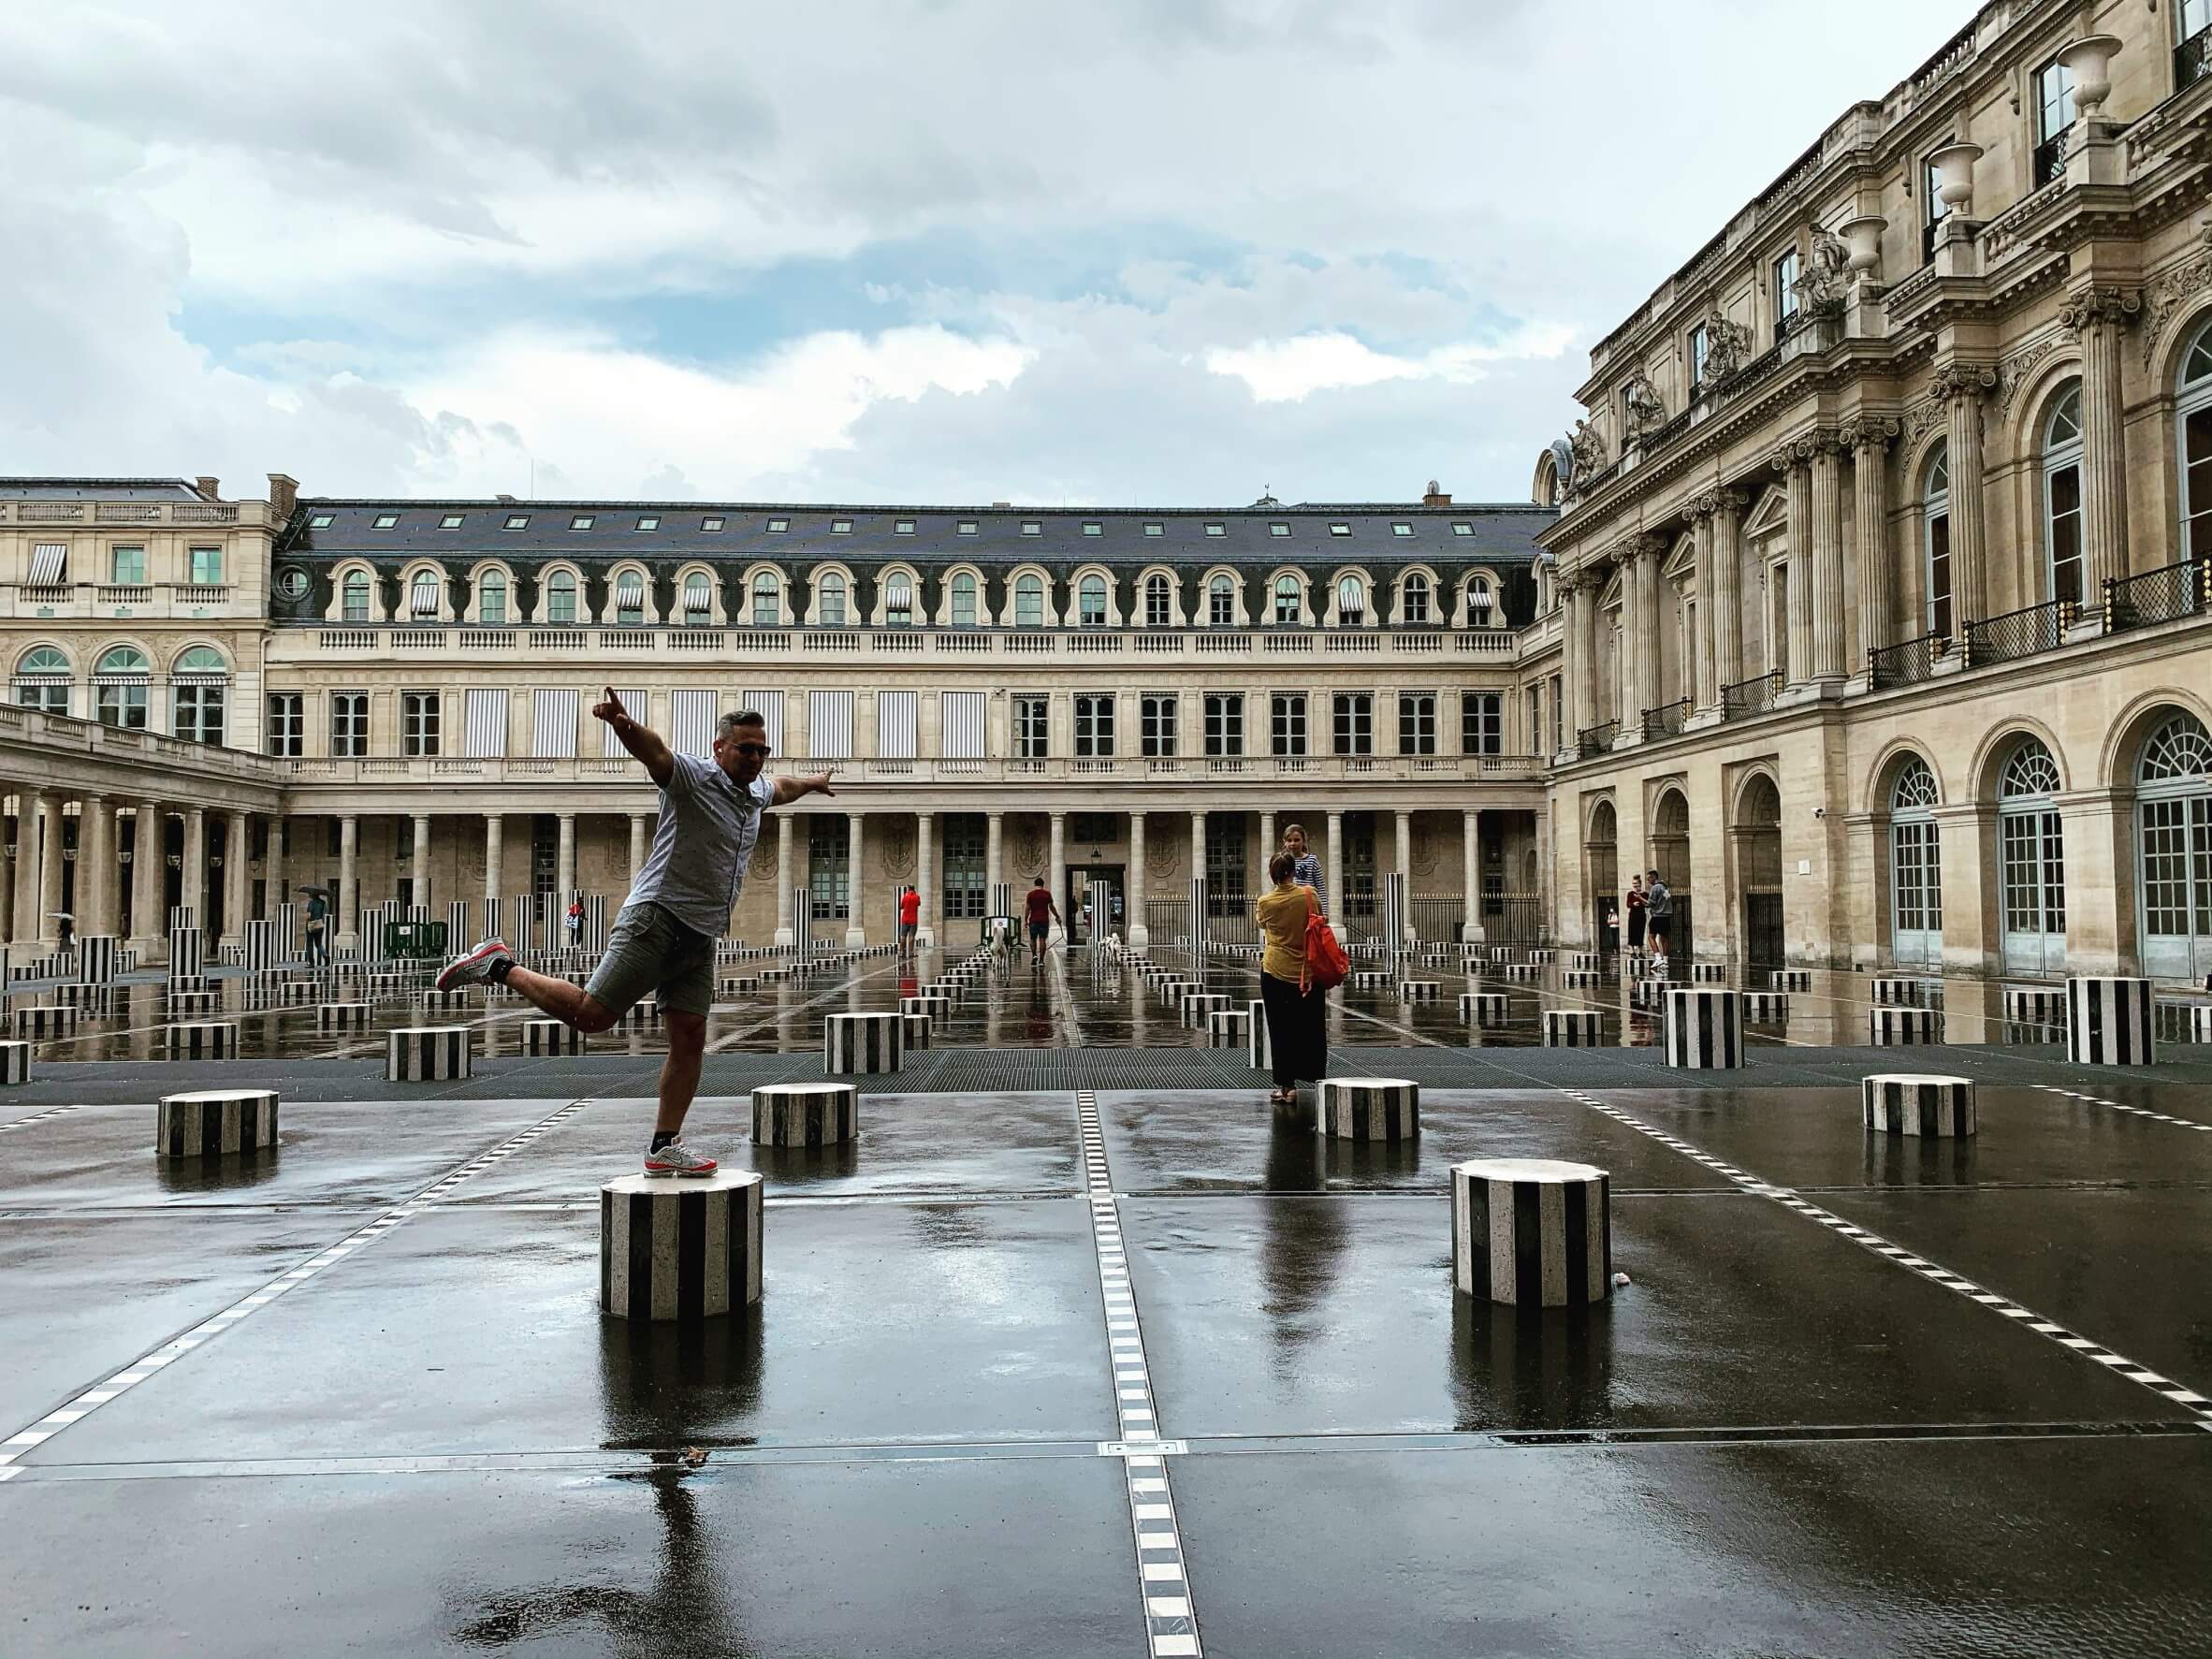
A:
[675,1159]
[475,968]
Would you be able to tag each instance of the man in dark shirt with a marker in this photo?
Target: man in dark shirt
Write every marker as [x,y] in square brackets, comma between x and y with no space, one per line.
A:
[1042,913]
[1659,905]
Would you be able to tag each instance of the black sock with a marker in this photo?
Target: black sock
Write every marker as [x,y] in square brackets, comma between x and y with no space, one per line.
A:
[660,1139]
[497,972]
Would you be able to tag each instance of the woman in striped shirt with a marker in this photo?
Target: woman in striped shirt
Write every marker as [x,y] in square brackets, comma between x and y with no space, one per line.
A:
[1305,869]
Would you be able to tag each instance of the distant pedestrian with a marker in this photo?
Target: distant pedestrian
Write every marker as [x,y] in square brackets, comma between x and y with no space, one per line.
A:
[1042,913]
[909,923]
[573,921]
[1297,1014]
[1305,869]
[1637,903]
[318,921]
[1661,903]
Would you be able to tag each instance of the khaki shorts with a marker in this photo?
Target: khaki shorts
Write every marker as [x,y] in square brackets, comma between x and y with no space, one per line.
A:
[649,950]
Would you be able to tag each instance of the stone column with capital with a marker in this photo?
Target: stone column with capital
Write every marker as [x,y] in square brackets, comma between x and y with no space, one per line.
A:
[1649,552]
[1825,605]
[1058,856]
[234,879]
[925,877]
[1961,387]
[993,855]
[495,852]
[1869,438]
[2099,316]
[1403,867]
[1727,591]
[1337,899]
[1267,848]
[149,859]
[98,903]
[27,888]
[1471,876]
[1198,850]
[7,899]
[1140,935]
[564,860]
[637,844]
[785,876]
[349,882]
[857,920]
[194,895]
[1627,672]
[50,868]
[274,874]
[420,872]
[1705,681]
[1795,462]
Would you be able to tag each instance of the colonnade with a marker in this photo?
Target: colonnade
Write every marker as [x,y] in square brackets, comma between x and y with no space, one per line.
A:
[31,900]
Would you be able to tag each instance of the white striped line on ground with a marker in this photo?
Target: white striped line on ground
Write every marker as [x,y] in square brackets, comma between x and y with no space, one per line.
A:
[2165,1387]
[1170,1622]
[139,1370]
[25,1123]
[2179,1123]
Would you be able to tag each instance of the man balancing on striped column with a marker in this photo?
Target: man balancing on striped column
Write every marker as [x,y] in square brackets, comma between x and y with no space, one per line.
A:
[680,904]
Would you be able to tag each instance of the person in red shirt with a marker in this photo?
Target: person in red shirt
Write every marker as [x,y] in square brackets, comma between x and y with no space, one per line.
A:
[1042,913]
[909,922]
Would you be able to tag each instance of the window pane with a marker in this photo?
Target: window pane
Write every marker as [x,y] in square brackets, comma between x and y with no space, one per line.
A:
[2065,533]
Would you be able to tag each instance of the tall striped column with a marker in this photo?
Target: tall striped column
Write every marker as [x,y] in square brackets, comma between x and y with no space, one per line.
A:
[2108,1022]
[1704,1029]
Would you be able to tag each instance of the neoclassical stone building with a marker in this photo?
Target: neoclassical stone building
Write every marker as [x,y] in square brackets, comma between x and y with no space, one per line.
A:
[1880,606]
[1122,697]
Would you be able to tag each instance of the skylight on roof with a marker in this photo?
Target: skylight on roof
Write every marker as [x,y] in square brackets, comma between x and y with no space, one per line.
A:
[1154,530]
[517,521]
[1340,529]
[1091,527]
[386,520]
[1278,529]
[779,526]
[965,527]
[1461,528]
[320,521]
[713,522]
[648,521]
[1216,529]
[902,527]
[452,521]
[1400,529]
[841,527]
[581,521]
[1030,526]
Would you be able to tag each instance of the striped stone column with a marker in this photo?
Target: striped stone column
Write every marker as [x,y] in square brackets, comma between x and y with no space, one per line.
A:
[860,1043]
[1902,1027]
[341,1016]
[1482,1008]
[210,1039]
[1704,1029]
[1571,1027]
[15,1062]
[680,1247]
[805,1114]
[1904,1103]
[551,1036]
[215,1123]
[1532,1231]
[426,1053]
[1370,1109]
[2108,1022]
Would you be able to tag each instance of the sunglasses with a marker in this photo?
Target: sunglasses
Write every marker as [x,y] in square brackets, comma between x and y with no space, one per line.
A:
[760,750]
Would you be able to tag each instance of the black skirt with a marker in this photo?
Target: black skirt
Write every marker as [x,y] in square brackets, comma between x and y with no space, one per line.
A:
[1297,1030]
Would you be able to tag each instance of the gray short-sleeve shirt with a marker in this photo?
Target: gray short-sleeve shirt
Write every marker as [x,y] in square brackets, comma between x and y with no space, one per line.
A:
[700,846]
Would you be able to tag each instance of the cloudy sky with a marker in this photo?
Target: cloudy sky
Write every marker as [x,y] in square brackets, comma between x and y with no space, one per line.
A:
[1166,251]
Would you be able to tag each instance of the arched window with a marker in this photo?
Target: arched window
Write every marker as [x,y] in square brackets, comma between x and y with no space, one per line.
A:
[2031,861]
[830,609]
[1159,603]
[898,601]
[1286,599]
[630,606]
[422,596]
[964,601]
[560,598]
[698,599]
[1915,866]
[1936,543]
[2174,819]
[1090,602]
[2193,407]
[767,601]
[1481,602]
[1605,875]
[1758,851]
[491,599]
[2061,496]
[120,679]
[1351,601]
[1221,603]
[354,597]
[1417,598]
[42,680]
[1028,603]
[198,682]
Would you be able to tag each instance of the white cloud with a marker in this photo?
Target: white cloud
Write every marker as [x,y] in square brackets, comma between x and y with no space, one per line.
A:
[1288,369]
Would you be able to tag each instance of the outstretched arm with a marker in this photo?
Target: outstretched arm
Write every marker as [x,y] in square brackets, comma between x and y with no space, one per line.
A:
[639,740]
[790,789]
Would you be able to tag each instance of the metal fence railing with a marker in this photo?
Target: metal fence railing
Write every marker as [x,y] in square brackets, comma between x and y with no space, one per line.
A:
[1597,739]
[2162,595]
[1667,720]
[1748,697]
[1907,663]
[2024,632]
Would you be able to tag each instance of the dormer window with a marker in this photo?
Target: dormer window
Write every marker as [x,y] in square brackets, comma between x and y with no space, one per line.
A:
[777,527]
[517,521]
[319,521]
[965,527]
[902,527]
[1091,527]
[1400,529]
[1340,529]
[711,523]
[1030,526]
[1278,529]
[386,520]
[1461,528]
[841,527]
[452,521]
[581,521]
[648,521]
[1216,529]
[1154,530]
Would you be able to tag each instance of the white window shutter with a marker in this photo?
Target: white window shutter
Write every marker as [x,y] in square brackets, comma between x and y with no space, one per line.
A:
[692,719]
[829,726]
[553,724]
[964,725]
[486,735]
[895,724]
[637,703]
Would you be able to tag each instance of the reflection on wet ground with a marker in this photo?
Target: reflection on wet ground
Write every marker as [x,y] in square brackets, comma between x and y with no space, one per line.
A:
[288,1403]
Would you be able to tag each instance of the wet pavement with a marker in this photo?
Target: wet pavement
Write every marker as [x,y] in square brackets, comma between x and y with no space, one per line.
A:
[1861,1397]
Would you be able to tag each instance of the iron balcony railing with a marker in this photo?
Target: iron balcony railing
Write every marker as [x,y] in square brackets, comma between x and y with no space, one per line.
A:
[2160,595]
[1596,740]
[2192,59]
[2025,633]
[1748,697]
[1666,719]
[1907,663]
[2051,157]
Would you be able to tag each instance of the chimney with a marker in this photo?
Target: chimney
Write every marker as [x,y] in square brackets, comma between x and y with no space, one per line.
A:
[1436,498]
[210,489]
[283,494]
[1002,504]
[508,499]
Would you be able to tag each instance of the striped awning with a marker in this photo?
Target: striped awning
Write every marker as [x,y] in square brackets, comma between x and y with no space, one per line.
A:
[629,588]
[698,596]
[47,562]
[424,602]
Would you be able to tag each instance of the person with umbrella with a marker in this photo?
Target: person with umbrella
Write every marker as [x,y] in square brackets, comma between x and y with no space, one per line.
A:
[67,932]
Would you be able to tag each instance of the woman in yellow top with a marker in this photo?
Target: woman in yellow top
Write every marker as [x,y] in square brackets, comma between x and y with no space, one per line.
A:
[1297,1017]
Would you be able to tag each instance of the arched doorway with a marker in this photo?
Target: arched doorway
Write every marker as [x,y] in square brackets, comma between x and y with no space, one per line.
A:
[1670,857]
[2173,848]
[1758,864]
[1603,863]
[2031,862]
[1916,868]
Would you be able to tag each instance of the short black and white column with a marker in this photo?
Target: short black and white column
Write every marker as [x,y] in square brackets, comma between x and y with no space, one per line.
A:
[1704,1028]
[428,1053]
[1532,1232]
[1765,1008]
[1571,1027]
[1370,1109]
[201,1040]
[15,1062]
[551,1036]
[1903,1028]
[214,1123]
[332,1018]
[805,1114]
[1790,979]
[1482,1008]
[681,1247]
[855,1044]
[1906,1103]
[2108,1022]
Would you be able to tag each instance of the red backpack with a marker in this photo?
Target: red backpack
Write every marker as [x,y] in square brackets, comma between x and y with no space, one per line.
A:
[1325,962]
